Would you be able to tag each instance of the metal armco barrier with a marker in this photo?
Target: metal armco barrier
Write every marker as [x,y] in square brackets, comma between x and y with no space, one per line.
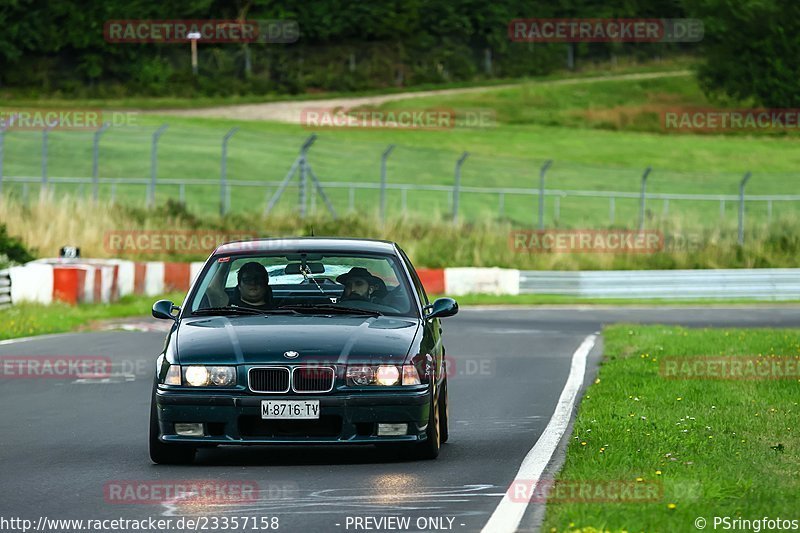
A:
[763,284]
[5,289]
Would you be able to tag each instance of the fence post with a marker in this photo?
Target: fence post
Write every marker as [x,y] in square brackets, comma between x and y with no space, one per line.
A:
[223,179]
[722,208]
[384,157]
[303,156]
[611,208]
[557,208]
[769,211]
[2,144]
[741,207]
[457,185]
[95,157]
[43,189]
[151,196]
[501,204]
[542,172]
[642,199]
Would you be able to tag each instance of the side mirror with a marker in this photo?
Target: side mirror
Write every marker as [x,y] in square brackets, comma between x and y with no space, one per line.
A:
[164,309]
[443,307]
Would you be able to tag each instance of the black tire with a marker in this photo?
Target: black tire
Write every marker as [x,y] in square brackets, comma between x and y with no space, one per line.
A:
[166,454]
[429,448]
[444,414]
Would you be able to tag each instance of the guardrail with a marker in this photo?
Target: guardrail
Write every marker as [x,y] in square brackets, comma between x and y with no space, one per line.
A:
[5,289]
[762,284]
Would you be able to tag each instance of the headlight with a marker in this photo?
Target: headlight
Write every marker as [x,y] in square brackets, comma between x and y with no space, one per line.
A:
[381,375]
[204,376]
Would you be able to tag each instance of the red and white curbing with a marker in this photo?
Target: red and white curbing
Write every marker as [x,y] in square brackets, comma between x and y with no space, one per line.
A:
[106,280]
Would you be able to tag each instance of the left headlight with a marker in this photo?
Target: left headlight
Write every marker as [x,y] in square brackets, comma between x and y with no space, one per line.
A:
[386,375]
[209,376]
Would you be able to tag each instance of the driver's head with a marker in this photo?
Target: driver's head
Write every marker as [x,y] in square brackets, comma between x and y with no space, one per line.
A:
[358,284]
[253,281]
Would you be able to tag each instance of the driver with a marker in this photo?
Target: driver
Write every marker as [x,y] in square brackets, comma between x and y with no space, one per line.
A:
[360,284]
[252,290]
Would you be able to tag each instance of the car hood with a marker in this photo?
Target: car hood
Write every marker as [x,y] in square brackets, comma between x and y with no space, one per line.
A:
[317,339]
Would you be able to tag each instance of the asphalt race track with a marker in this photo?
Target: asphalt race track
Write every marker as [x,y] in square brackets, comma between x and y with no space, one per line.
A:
[64,440]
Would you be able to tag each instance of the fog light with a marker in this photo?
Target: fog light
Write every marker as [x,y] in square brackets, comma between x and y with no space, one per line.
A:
[189,430]
[392,430]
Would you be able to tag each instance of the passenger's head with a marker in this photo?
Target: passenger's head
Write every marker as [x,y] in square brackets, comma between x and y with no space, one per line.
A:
[253,282]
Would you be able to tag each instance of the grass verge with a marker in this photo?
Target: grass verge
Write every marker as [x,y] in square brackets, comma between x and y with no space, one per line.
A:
[27,319]
[715,447]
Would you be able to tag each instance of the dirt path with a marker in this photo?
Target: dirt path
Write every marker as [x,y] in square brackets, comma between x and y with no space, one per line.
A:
[290,112]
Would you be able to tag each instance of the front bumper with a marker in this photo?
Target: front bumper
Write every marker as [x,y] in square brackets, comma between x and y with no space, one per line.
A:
[345,417]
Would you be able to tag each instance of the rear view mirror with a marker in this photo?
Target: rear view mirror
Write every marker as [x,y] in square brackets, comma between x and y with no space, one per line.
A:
[311,268]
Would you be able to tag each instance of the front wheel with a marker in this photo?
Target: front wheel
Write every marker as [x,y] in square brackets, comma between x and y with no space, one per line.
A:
[166,454]
[429,448]
[444,413]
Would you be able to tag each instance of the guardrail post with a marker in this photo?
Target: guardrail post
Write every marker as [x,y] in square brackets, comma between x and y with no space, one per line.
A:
[722,208]
[95,157]
[643,197]
[384,157]
[769,211]
[151,192]
[457,185]
[404,199]
[542,172]
[741,207]
[501,203]
[2,144]
[224,194]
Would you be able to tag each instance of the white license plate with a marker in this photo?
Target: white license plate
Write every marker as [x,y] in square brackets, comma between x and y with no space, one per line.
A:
[290,409]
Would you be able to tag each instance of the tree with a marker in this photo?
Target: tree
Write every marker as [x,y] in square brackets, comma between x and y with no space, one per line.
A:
[752,50]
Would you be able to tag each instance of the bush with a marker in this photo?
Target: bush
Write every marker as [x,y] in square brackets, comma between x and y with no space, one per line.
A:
[12,251]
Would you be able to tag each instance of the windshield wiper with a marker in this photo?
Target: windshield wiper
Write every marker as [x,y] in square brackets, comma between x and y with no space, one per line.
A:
[227,310]
[325,309]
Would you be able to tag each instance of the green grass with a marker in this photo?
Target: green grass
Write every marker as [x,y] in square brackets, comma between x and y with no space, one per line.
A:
[716,447]
[28,319]
[566,123]
[21,98]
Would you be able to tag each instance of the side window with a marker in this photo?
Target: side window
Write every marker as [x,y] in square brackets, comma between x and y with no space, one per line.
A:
[417,283]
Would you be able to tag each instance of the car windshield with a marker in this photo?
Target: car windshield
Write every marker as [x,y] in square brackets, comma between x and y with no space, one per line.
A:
[357,284]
